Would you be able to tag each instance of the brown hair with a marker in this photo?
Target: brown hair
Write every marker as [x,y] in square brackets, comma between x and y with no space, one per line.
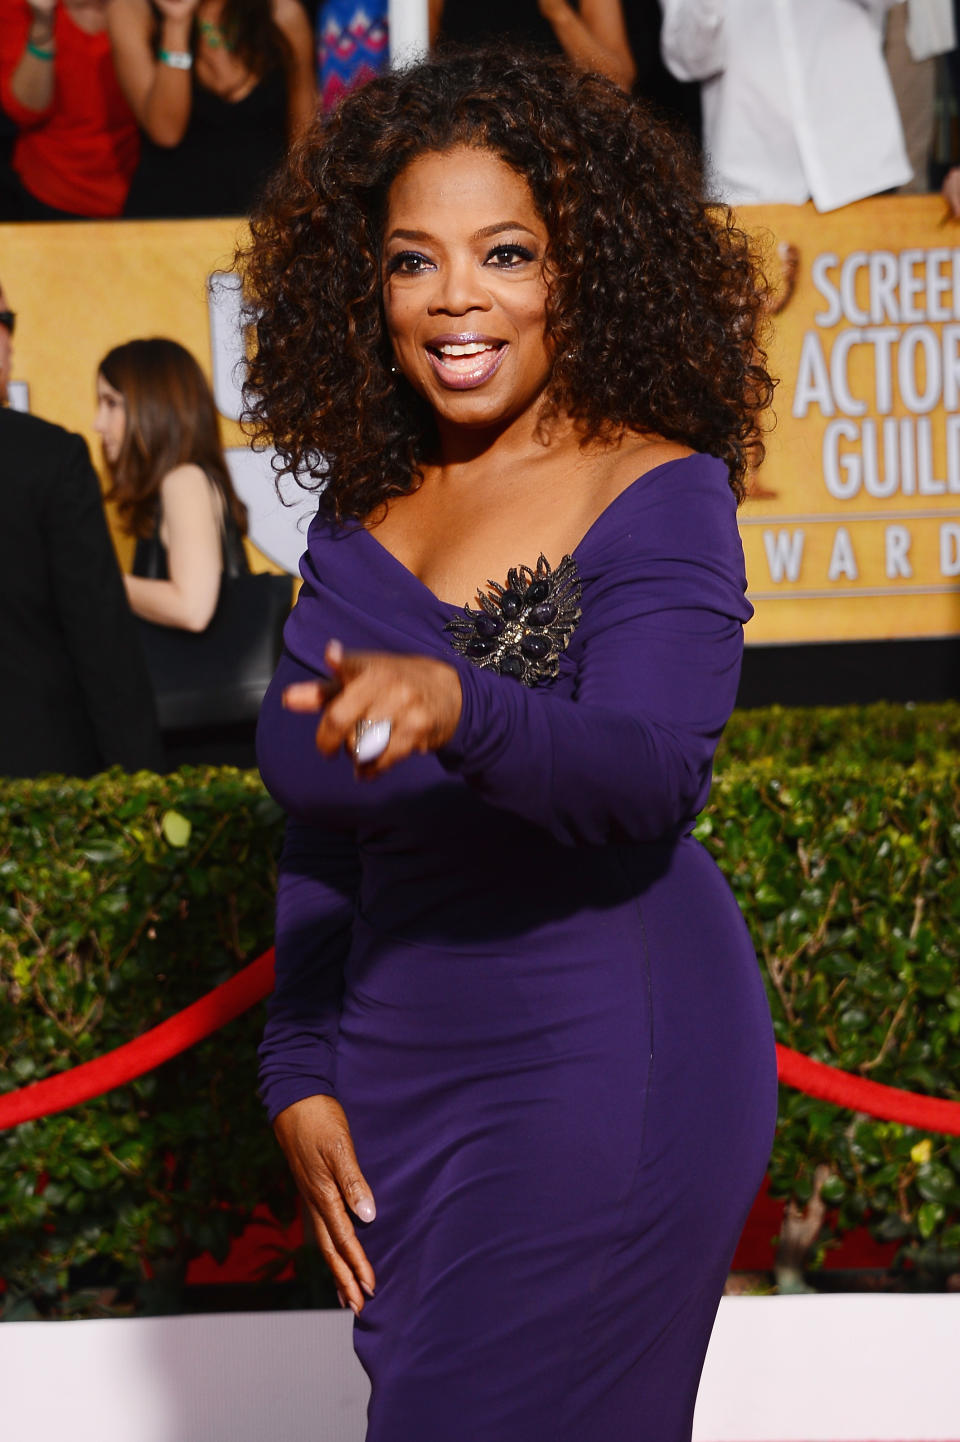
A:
[171,421]
[655,305]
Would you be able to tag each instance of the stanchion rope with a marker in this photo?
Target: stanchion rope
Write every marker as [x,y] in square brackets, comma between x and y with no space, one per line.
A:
[255,982]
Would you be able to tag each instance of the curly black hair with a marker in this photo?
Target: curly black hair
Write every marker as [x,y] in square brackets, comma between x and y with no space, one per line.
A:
[655,303]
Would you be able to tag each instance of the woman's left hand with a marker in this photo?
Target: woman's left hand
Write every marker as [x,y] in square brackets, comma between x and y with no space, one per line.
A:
[419,697]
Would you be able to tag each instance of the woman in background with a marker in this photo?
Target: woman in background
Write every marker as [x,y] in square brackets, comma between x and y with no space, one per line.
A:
[590,33]
[158,423]
[77,146]
[219,87]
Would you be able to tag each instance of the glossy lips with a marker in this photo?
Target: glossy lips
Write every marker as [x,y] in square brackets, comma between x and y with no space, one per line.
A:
[461,362]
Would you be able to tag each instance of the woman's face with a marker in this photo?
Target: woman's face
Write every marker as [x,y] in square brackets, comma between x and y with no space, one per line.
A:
[464,289]
[110,423]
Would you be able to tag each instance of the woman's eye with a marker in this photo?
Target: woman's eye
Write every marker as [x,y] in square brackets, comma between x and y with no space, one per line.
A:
[407,262]
[506,257]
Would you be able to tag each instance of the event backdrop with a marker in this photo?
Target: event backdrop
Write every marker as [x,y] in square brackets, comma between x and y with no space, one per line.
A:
[852,527]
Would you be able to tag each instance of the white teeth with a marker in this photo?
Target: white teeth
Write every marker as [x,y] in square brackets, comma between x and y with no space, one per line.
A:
[473,347]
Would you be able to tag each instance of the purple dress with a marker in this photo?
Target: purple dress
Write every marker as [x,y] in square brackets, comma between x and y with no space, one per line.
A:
[531,988]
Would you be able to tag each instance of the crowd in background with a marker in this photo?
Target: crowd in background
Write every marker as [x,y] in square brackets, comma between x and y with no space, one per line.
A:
[178,108]
[172,108]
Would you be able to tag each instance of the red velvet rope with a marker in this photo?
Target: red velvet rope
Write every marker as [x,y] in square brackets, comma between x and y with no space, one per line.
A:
[93,1078]
[177,1033]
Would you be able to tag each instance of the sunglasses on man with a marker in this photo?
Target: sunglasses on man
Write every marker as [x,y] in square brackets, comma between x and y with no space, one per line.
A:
[8,319]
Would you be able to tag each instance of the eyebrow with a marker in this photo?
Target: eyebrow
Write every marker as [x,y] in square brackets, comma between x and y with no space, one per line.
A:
[488,230]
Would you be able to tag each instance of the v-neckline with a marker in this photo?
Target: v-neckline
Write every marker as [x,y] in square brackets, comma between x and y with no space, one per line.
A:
[584,539]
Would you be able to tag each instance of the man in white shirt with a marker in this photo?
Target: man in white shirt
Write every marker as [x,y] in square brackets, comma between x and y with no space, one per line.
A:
[797,101]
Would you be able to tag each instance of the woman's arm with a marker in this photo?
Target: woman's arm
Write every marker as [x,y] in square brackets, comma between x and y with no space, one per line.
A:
[659,649]
[30,84]
[595,39]
[692,38]
[316,897]
[319,876]
[301,74]
[159,94]
[192,535]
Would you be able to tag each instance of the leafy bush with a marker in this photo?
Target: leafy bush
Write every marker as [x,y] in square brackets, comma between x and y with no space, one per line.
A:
[849,877]
[798,736]
[123,899]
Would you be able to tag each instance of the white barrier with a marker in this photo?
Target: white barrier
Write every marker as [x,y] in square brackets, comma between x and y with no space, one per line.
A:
[780,1369]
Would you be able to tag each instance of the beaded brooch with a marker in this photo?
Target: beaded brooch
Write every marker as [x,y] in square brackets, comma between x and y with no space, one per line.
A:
[521,629]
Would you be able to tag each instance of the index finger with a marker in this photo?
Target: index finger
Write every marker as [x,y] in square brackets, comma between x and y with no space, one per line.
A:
[306,696]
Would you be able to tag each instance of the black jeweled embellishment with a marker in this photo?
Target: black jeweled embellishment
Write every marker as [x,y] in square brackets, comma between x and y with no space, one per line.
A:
[522,628]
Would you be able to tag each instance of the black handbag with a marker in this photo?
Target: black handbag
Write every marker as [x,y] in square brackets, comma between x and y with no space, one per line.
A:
[217,676]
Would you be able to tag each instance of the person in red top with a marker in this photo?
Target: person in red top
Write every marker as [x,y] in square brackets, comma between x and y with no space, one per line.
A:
[78,144]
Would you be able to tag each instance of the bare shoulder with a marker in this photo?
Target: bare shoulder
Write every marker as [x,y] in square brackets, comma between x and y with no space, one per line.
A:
[188,485]
[634,457]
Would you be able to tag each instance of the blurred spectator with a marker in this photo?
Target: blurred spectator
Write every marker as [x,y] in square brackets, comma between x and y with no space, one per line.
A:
[953,59]
[917,32]
[951,184]
[219,88]
[593,34]
[76,695]
[797,101]
[352,45]
[78,142]
[158,423]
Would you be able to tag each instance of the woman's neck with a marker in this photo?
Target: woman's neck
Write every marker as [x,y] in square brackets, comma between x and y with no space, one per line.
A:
[506,443]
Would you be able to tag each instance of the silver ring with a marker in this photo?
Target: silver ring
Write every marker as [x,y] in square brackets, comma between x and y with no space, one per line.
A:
[370,740]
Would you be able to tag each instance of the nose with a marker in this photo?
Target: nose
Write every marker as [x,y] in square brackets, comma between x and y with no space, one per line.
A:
[459,288]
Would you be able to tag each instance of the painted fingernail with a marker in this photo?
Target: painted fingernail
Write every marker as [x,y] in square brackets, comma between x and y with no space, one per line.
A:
[355,1309]
[365,1209]
[368,1290]
[335,651]
[341,1297]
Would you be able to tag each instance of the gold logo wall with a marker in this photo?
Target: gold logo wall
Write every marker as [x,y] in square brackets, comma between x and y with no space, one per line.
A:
[852,528]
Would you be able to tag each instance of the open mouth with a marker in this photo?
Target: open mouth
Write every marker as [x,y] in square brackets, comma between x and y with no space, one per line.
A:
[464,361]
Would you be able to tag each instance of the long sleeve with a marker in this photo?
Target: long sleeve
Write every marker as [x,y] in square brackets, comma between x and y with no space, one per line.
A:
[692,40]
[317,885]
[97,624]
[629,757]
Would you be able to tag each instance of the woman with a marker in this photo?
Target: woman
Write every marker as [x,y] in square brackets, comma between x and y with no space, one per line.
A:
[158,423]
[591,33]
[219,88]
[78,143]
[518,1029]
[76,695]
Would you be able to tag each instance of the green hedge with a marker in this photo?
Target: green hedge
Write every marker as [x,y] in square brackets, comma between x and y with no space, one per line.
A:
[837,734]
[123,899]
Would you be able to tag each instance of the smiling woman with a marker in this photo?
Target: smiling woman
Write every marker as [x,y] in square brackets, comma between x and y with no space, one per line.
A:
[442,284]
[518,1054]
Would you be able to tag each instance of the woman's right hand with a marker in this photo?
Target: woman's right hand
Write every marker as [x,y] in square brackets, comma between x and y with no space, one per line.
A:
[316,1141]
